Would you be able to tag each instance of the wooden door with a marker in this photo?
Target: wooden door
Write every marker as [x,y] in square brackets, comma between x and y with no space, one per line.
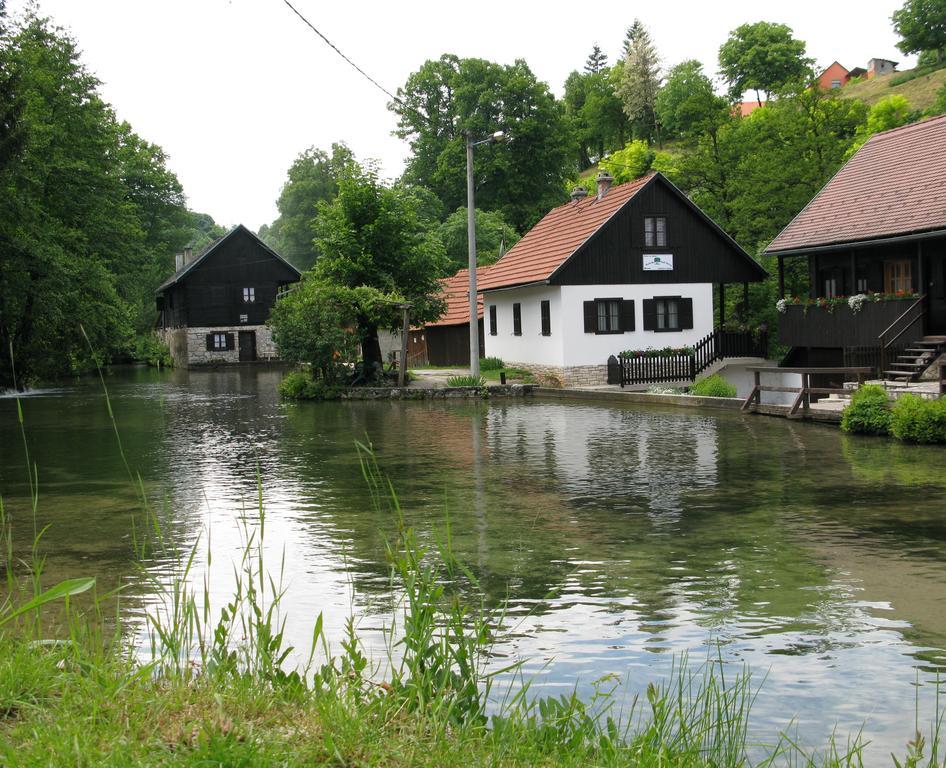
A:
[247,346]
[936,292]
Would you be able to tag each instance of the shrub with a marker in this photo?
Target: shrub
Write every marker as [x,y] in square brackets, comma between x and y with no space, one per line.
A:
[466,381]
[713,386]
[917,420]
[491,364]
[299,385]
[151,350]
[868,412]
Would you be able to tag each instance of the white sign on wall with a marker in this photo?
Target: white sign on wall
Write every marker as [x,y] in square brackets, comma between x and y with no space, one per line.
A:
[655,262]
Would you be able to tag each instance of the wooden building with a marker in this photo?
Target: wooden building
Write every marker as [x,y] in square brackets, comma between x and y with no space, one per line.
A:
[631,268]
[446,342]
[214,308]
[877,232]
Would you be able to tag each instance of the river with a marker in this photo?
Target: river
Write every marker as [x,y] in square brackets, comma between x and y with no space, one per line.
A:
[620,537]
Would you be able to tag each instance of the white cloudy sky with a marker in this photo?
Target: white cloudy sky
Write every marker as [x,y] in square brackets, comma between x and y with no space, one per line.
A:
[235,89]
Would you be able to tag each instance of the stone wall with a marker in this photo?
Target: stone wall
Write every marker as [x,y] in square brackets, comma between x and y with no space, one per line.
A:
[189,345]
[440,393]
[568,376]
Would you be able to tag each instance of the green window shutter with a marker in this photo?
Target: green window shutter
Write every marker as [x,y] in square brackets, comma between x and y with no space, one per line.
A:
[627,315]
[686,313]
[591,316]
[650,314]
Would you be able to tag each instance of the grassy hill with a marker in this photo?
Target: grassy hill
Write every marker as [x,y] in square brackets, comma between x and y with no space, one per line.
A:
[920,92]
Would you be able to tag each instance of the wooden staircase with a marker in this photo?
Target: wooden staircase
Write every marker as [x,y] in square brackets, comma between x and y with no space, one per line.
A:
[915,359]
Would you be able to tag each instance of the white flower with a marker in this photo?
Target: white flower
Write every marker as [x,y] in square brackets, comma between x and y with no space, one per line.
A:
[856,302]
[781,305]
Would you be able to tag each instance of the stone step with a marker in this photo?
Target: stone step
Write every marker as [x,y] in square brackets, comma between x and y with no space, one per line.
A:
[898,374]
[899,364]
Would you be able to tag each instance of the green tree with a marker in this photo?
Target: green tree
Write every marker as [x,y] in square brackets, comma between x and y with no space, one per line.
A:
[763,57]
[88,214]
[450,96]
[596,113]
[312,178]
[939,106]
[640,83]
[687,105]
[493,233]
[371,236]
[921,25]
[317,324]
[597,60]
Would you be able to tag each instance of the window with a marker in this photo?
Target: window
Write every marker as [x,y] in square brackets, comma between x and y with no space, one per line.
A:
[830,287]
[219,342]
[492,319]
[517,319]
[862,285]
[546,318]
[655,232]
[609,316]
[835,83]
[668,313]
[249,295]
[898,276]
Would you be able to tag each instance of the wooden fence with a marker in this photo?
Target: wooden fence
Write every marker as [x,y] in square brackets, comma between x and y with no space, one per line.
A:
[686,366]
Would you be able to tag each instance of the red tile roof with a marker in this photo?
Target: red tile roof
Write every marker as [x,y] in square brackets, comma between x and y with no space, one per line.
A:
[456,292]
[894,185]
[560,233]
[746,108]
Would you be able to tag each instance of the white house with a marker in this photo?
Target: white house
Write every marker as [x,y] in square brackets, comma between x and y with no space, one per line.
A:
[632,268]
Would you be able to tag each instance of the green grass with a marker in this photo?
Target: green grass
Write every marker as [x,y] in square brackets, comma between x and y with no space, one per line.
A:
[919,91]
[513,376]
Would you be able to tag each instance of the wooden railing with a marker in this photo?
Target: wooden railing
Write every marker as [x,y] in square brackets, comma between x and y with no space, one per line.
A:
[686,366]
[913,314]
[805,391]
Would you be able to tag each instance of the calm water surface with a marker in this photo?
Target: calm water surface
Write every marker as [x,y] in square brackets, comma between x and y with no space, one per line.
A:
[622,536]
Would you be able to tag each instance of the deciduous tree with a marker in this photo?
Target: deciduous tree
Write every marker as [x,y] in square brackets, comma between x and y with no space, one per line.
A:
[762,57]
[921,25]
[450,96]
[493,233]
[371,236]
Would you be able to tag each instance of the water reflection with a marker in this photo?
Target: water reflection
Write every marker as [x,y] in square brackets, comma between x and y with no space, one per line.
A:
[619,536]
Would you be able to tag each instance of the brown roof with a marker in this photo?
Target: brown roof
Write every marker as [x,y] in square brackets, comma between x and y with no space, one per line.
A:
[456,293]
[557,236]
[894,185]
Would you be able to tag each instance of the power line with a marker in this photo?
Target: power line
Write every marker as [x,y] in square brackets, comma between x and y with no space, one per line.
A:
[335,48]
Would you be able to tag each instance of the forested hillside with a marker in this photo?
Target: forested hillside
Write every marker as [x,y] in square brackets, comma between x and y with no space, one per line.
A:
[90,215]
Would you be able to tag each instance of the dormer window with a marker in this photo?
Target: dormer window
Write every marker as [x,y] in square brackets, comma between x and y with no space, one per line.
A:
[655,231]
[249,295]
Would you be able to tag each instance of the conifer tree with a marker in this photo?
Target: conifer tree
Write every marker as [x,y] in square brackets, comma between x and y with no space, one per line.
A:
[597,60]
[640,83]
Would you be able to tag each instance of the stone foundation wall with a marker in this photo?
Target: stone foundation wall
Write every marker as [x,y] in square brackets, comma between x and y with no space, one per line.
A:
[566,376]
[189,345]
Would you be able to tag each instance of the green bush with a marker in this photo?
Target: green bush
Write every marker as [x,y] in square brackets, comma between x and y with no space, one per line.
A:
[917,420]
[299,385]
[713,386]
[466,381]
[868,412]
[491,364]
[151,350]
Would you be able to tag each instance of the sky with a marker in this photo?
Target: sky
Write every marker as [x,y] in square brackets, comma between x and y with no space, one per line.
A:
[234,90]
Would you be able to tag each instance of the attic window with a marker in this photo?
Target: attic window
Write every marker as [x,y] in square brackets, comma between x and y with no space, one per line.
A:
[655,231]
[249,295]
[835,83]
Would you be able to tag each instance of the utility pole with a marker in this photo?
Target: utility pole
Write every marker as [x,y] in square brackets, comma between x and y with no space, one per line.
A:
[471,246]
[405,327]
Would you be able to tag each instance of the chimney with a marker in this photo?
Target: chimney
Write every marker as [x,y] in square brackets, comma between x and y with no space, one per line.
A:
[579,193]
[178,262]
[604,182]
[188,256]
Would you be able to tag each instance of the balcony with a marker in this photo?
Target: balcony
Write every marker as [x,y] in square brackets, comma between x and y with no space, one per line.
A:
[838,325]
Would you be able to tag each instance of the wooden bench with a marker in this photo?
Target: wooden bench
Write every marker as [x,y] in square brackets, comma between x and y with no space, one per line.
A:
[805,391]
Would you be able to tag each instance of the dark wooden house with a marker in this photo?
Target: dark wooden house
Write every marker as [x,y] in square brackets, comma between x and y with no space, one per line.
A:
[446,342]
[877,232]
[214,308]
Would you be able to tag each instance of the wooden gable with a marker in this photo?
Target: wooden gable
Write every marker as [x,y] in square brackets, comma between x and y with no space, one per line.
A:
[701,252]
